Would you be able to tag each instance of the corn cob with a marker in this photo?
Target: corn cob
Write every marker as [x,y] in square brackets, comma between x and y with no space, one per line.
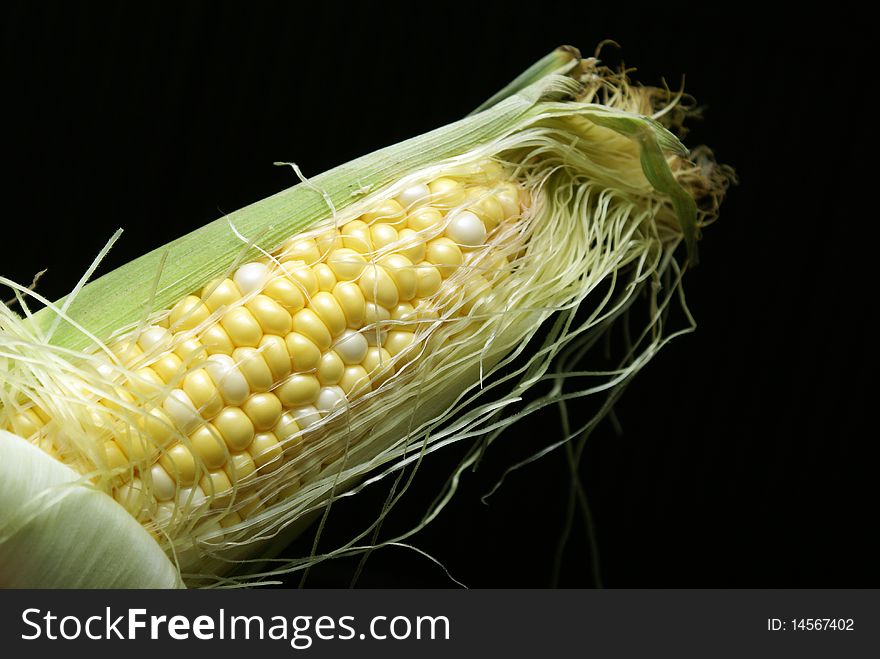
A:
[226,386]
[236,408]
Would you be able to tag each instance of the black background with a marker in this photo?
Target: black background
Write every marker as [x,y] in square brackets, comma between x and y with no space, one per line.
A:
[745,459]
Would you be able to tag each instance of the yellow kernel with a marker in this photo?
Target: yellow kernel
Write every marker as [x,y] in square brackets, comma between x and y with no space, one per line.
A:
[250,507]
[229,520]
[287,429]
[235,427]
[217,341]
[274,351]
[378,286]
[169,367]
[301,249]
[310,325]
[356,236]
[239,466]
[328,241]
[398,341]
[156,427]
[209,447]
[401,270]
[330,312]
[377,364]
[427,220]
[355,381]
[351,299]
[428,280]
[242,327]
[412,246]
[489,209]
[495,267]
[508,195]
[254,368]
[446,192]
[190,351]
[383,235]
[266,450]
[445,255]
[304,355]
[203,393]
[220,293]
[476,290]
[324,275]
[286,293]
[216,486]
[272,317]
[492,170]
[406,316]
[330,369]
[298,389]
[375,327]
[178,461]
[263,410]
[114,456]
[145,381]
[188,313]
[387,212]
[347,264]
[127,351]
[301,275]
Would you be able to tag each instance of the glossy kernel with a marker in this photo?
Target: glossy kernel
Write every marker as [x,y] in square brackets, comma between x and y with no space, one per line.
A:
[242,328]
[304,354]
[378,286]
[263,410]
[310,325]
[251,364]
[272,317]
[209,446]
[235,427]
[328,309]
[298,389]
[352,301]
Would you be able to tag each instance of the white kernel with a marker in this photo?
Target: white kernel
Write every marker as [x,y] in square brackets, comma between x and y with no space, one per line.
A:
[183,413]
[466,229]
[251,277]
[351,347]
[413,194]
[306,416]
[154,338]
[229,380]
[331,399]
[191,497]
[163,485]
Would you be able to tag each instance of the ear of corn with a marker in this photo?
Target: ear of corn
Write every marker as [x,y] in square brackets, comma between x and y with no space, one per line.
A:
[224,388]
